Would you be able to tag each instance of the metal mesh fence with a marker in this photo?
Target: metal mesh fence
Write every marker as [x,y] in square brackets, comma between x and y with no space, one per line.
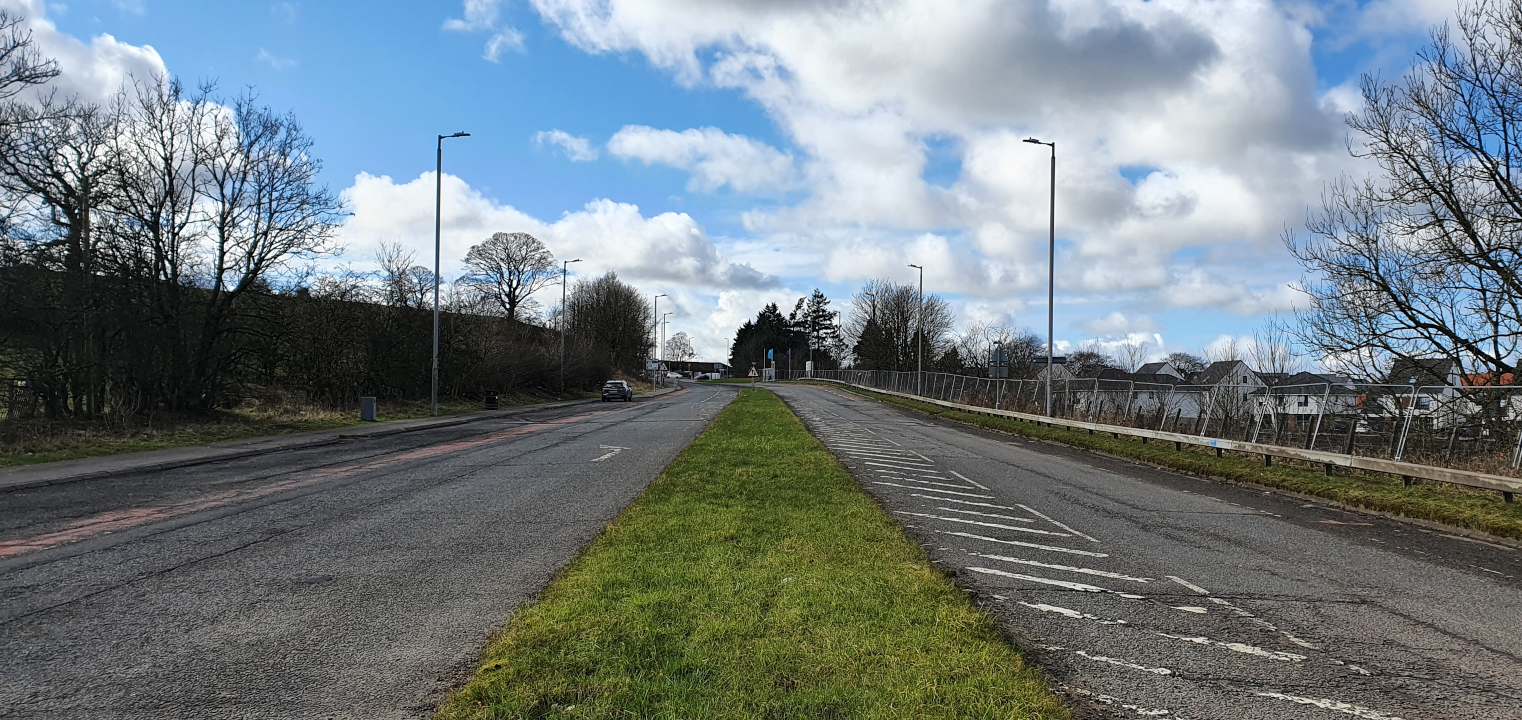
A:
[1463,428]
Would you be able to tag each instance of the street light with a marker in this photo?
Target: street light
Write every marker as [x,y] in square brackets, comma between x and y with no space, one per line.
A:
[919,337]
[661,356]
[1051,270]
[438,202]
[655,328]
[563,266]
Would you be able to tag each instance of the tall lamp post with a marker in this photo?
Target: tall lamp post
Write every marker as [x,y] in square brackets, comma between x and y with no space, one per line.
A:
[654,330]
[1051,270]
[438,203]
[919,337]
[661,356]
[563,268]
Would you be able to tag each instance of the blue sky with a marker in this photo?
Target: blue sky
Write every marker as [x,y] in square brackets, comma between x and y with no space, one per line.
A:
[746,155]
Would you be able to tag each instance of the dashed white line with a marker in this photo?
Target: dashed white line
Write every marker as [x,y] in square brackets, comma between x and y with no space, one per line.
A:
[1052,548]
[1058,524]
[968,479]
[1043,607]
[1064,568]
[949,492]
[981,523]
[984,514]
[1123,663]
[1081,587]
[1239,647]
[963,502]
[930,482]
[1325,704]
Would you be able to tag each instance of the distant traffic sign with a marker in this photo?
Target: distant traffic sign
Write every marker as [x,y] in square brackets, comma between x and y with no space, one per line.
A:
[1059,360]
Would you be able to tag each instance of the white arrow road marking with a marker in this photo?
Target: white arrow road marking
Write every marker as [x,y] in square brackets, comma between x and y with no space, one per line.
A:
[614,448]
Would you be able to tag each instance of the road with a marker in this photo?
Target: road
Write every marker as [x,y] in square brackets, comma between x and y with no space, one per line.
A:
[1146,593]
[356,580]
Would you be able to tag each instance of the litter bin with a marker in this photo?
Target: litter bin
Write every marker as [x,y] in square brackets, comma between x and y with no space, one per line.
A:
[491,401]
[367,409]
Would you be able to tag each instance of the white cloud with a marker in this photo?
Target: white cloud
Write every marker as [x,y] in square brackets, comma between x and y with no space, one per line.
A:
[1118,323]
[131,7]
[504,40]
[579,149]
[667,248]
[669,252]
[95,71]
[479,15]
[278,63]
[482,15]
[286,12]
[715,158]
[1190,133]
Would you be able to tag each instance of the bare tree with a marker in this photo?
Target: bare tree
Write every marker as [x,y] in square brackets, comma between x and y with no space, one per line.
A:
[510,267]
[679,348]
[1187,363]
[1424,260]
[1131,354]
[396,286]
[1273,350]
[1225,349]
[1089,361]
[21,66]
[884,322]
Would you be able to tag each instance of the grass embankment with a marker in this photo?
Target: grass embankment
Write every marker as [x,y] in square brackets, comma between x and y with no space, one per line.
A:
[1454,505]
[752,579]
[40,441]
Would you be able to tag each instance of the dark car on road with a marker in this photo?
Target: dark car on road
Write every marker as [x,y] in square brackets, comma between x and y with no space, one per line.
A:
[617,390]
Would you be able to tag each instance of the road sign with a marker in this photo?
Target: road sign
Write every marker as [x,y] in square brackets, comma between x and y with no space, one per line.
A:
[1059,360]
[753,372]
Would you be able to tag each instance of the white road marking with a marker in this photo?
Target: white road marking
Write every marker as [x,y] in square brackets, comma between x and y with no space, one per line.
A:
[984,514]
[968,479]
[1043,607]
[1058,524]
[1239,647]
[1188,584]
[1065,568]
[896,465]
[949,492]
[928,482]
[1192,609]
[928,460]
[1081,587]
[1325,704]
[1052,548]
[614,448]
[1124,664]
[981,523]
[1301,643]
[963,502]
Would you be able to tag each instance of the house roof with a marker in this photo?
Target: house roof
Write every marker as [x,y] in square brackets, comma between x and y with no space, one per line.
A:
[1157,368]
[1422,371]
[1474,379]
[1218,373]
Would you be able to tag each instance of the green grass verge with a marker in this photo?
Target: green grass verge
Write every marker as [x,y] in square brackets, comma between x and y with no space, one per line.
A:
[753,579]
[42,442]
[1454,505]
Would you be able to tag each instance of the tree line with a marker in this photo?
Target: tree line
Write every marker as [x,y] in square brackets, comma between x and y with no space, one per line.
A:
[157,254]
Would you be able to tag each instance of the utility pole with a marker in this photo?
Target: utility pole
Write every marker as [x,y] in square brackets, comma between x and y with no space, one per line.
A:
[438,204]
[1051,271]
[563,266]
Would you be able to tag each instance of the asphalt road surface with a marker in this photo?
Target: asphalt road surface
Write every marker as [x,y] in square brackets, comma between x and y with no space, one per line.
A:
[1150,594]
[356,580]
